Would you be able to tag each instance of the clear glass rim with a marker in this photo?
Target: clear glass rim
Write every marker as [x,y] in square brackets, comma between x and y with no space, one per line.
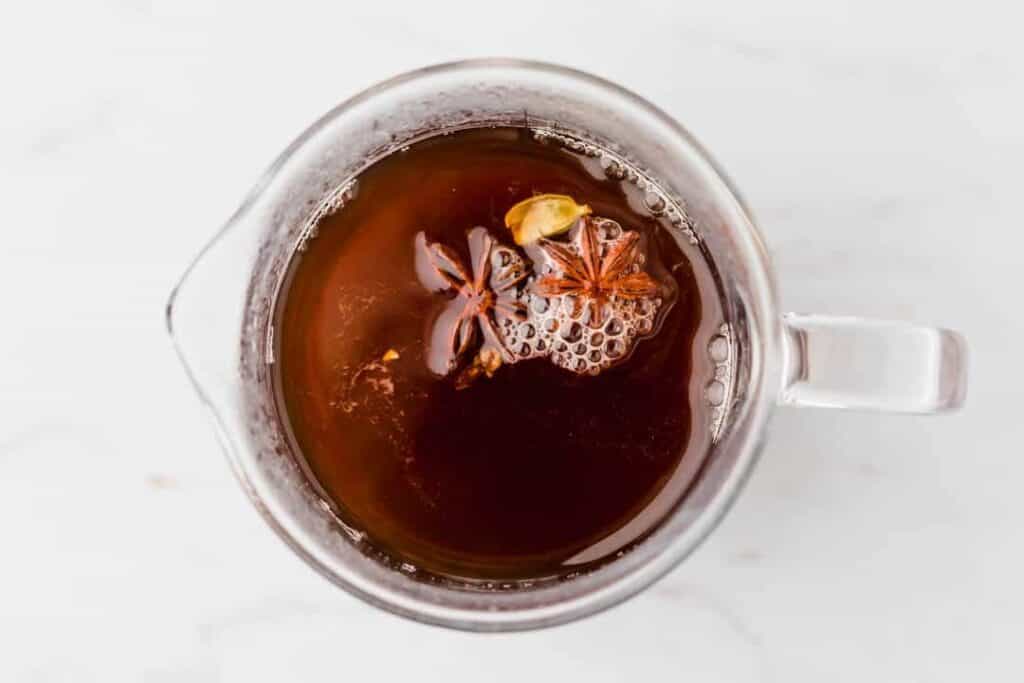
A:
[590,593]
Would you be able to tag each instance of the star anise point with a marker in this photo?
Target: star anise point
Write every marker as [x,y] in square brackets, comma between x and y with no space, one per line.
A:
[593,276]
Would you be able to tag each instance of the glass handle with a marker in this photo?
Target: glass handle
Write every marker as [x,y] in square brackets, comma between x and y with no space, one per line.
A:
[864,364]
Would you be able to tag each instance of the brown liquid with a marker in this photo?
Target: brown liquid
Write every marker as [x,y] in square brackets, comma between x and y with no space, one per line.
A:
[532,473]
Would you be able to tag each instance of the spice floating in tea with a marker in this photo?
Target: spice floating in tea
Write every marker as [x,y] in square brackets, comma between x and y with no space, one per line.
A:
[586,305]
[485,295]
[543,215]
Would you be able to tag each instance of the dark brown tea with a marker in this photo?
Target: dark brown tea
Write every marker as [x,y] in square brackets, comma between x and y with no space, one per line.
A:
[497,354]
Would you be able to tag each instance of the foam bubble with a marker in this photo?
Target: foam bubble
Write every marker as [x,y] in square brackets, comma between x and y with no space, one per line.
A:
[567,329]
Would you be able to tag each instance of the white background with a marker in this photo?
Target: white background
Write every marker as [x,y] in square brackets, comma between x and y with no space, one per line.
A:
[879,146]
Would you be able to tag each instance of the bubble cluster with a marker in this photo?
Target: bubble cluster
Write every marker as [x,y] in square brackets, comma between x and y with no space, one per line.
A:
[332,203]
[519,335]
[657,201]
[717,391]
[584,339]
[523,339]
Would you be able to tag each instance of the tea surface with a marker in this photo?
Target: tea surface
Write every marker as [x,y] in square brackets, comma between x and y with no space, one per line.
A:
[536,470]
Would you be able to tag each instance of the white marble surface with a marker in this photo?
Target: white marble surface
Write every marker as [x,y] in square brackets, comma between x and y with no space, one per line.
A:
[879,145]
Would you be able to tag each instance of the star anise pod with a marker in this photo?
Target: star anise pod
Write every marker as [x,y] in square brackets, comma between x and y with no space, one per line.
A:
[485,293]
[595,277]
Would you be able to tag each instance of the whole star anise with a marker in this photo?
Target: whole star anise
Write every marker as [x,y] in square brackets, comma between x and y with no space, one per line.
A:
[594,277]
[485,294]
